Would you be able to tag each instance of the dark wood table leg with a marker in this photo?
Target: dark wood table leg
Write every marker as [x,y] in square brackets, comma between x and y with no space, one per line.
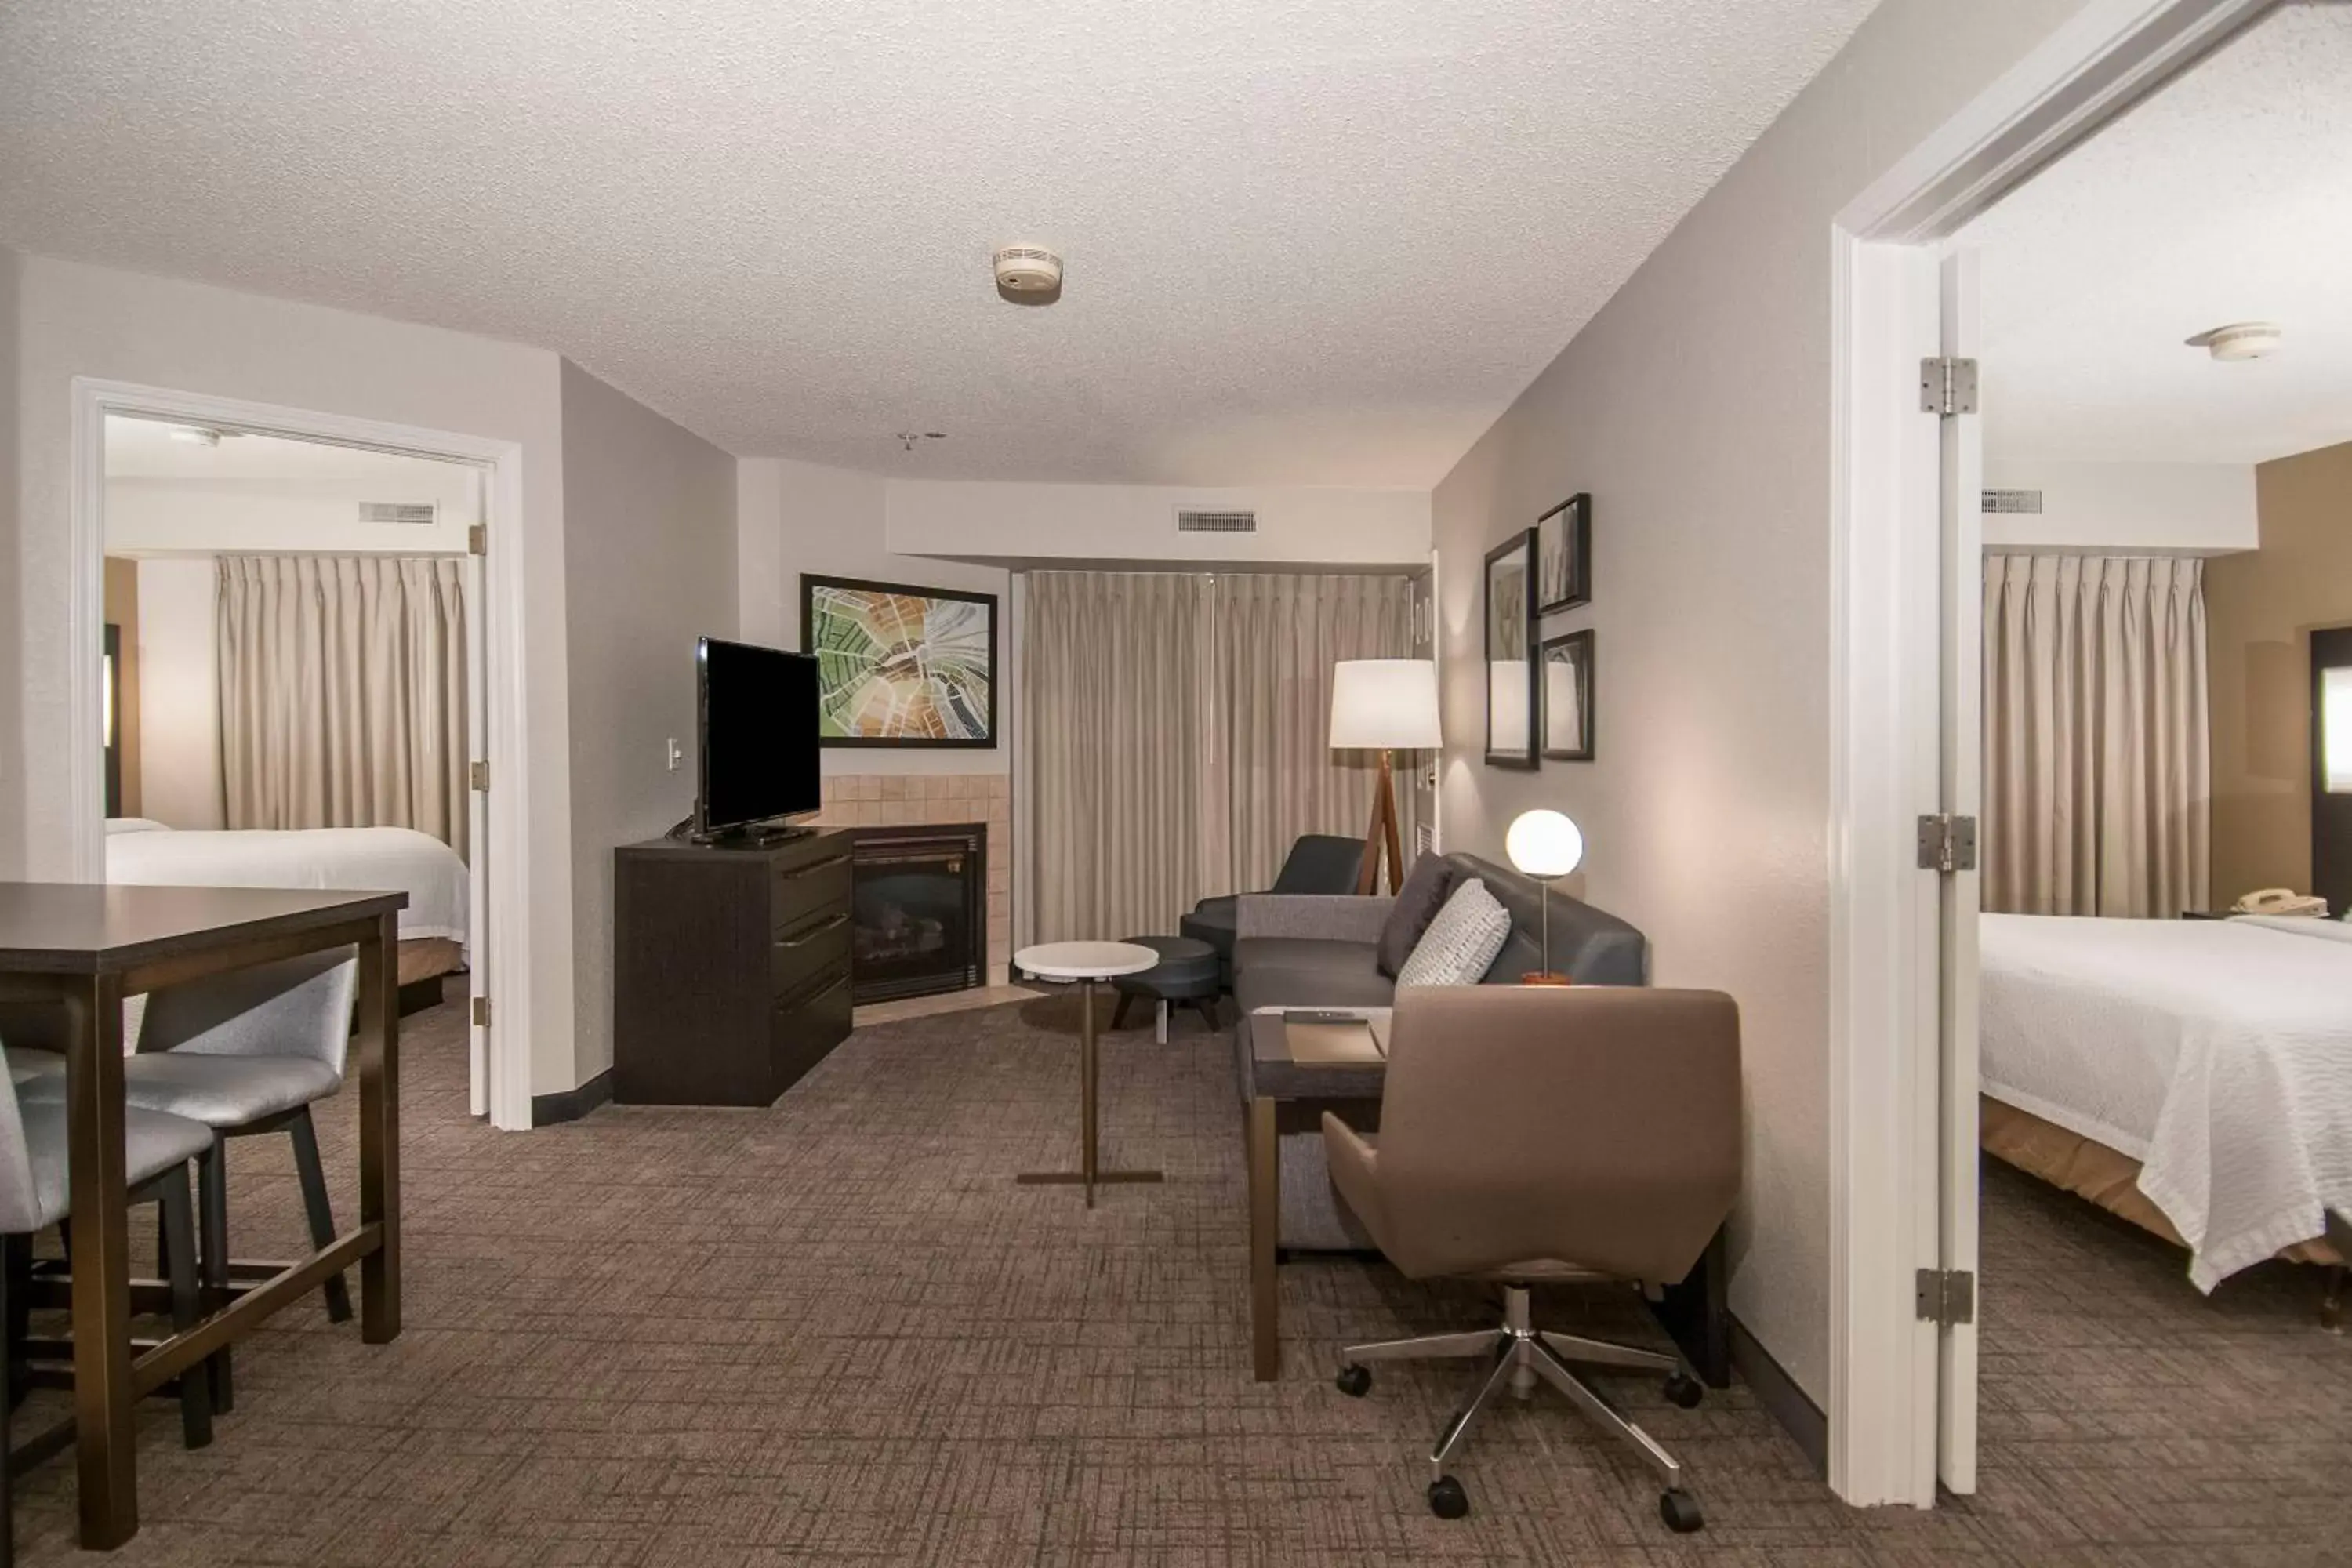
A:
[379,1043]
[1264,1233]
[103,1443]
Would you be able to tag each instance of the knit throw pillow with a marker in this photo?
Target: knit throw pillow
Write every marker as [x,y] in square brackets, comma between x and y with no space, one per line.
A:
[1461,943]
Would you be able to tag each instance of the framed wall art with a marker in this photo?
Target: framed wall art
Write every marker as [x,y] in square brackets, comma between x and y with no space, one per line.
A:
[1510,645]
[900,666]
[1566,666]
[1564,556]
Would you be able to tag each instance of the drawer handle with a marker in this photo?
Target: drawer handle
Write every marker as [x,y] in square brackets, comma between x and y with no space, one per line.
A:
[813,867]
[794,1004]
[814,932]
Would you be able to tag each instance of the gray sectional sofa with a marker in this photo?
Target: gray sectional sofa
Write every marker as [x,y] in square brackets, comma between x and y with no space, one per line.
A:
[1320,951]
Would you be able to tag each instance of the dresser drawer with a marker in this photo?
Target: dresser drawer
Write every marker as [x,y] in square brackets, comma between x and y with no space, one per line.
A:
[818,946]
[802,890]
[806,1026]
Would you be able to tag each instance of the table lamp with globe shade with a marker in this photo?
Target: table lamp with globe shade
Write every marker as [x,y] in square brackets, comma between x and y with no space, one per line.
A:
[1547,846]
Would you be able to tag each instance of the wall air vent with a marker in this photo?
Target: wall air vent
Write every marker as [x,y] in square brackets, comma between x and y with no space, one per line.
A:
[1195,520]
[2014,501]
[405,513]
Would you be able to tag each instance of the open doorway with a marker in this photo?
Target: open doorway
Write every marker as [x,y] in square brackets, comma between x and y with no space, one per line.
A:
[2162,1003]
[2036,256]
[300,673]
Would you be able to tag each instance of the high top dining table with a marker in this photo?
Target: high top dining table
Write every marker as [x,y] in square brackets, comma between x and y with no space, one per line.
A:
[84,948]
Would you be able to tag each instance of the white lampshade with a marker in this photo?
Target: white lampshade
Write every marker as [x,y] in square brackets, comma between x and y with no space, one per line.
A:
[1385,705]
[1544,844]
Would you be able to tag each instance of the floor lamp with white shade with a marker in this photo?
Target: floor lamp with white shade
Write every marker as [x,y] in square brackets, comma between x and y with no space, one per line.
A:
[1385,705]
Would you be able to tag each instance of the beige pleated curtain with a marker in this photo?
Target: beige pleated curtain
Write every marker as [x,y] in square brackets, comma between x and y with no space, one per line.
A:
[342,692]
[1174,735]
[2098,782]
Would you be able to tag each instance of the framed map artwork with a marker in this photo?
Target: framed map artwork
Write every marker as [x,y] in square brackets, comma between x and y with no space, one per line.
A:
[900,666]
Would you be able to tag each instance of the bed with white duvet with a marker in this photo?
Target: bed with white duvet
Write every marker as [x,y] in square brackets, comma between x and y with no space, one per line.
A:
[2218,1054]
[143,852]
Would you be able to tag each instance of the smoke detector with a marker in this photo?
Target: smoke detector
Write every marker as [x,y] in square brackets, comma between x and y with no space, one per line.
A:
[1027,275]
[2242,340]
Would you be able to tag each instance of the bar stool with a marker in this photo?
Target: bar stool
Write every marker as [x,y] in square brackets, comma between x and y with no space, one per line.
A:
[34,1196]
[245,1053]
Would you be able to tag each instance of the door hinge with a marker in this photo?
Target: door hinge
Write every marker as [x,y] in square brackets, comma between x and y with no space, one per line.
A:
[481,1012]
[1947,1296]
[478,535]
[477,776]
[1947,386]
[1948,843]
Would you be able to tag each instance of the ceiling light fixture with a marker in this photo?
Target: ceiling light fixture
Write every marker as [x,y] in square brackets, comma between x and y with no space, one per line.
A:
[196,436]
[2240,340]
[1028,275]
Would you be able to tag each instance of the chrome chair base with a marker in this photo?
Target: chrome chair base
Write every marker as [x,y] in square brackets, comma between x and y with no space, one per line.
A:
[1518,1356]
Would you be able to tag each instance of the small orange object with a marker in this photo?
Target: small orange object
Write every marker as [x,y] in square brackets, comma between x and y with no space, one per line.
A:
[1545,977]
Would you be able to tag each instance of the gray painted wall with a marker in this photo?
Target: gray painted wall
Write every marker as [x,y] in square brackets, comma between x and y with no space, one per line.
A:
[649,566]
[13,825]
[1696,408]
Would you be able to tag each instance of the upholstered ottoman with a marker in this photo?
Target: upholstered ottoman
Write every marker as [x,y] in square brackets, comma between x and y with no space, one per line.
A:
[1186,973]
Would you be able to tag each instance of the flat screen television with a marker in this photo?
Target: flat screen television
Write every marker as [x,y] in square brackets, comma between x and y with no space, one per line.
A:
[756,735]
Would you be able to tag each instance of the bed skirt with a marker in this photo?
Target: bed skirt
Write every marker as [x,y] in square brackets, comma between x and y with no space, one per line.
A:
[2089,1169]
[421,958]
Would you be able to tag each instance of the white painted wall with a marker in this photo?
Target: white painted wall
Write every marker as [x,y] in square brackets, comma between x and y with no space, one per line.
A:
[145,516]
[2125,509]
[798,517]
[179,700]
[651,564]
[1130,524]
[1696,408]
[74,320]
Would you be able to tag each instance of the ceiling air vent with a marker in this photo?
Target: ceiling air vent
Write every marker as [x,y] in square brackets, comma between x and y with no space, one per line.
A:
[1194,519]
[407,514]
[2014,501]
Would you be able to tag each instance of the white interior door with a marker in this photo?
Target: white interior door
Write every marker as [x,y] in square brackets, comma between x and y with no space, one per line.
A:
[478,822]
[1961,779]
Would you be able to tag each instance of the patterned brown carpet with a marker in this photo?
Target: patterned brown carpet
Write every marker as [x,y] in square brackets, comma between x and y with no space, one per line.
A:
[836,1332]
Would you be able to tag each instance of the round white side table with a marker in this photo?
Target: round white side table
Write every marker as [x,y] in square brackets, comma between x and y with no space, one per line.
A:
[1087,964]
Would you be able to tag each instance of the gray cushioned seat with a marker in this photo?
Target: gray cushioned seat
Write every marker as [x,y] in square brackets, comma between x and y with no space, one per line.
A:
[218,1091]
[153,1143]
[1308,972]
[25,1065]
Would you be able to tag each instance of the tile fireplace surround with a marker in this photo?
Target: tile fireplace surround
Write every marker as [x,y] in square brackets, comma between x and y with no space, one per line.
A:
[921,800]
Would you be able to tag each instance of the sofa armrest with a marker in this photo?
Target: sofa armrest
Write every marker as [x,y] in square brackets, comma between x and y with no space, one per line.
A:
[1326,917]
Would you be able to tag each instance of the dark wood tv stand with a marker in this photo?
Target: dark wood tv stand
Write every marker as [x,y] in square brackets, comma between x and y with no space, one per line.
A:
[730,966]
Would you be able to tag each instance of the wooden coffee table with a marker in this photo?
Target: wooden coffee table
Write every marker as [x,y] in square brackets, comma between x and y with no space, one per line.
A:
[1276,1075]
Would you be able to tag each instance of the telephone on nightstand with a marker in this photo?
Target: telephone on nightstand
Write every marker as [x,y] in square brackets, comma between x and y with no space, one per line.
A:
[2281,901]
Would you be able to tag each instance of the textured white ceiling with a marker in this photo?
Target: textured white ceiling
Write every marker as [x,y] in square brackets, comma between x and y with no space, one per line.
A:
[144,449]
[1308,243]
[2226,197]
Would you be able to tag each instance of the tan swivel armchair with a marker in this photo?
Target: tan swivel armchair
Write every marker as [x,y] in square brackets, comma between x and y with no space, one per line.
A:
[1532,1134]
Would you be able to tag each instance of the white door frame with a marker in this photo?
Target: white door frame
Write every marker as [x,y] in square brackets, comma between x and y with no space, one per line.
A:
[1887,601]
[507,973]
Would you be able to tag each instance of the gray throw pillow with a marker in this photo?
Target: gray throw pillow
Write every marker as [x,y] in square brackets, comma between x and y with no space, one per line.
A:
[1417,903]
[1461,943]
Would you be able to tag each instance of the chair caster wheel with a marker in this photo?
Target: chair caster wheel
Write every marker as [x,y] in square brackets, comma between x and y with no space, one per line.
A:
[1448,1500]
[1354,1380]
[1680,1510]
[1684,1390]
